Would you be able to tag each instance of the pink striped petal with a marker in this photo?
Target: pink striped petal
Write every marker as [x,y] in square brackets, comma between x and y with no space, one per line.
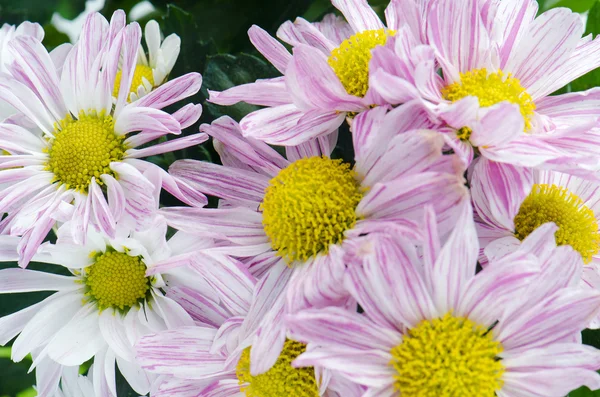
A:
[184,353]
[172,91]
[551,38]
[270,48]
[498,190]
[224,182]
[268,92]
[359,14]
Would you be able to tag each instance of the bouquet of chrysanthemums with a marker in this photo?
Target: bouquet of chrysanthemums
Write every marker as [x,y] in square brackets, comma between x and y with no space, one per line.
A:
[454,253]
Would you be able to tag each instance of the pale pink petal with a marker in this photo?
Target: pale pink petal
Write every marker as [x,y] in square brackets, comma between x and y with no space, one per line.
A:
[34,67]
[549,382]
[549,41]
[456,263]
[184,352]
[224,182]
[134,118]
[201,308]
[552,319]
[270,92]
[168,146]
[245,153]
[370,368]
[405,198]
[313,83]
[460,50]
[512,21]
[498,190]
[172,91]
[378,265]
[497,125]
[103,216]
[359,14]
[270,48]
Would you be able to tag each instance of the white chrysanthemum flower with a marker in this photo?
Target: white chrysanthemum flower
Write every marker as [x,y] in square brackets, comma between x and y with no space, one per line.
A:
[105,305]
[82,162]
[153,69]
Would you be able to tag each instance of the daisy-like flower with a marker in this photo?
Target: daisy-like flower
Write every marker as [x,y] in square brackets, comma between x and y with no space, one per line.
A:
[512,202]
[241,349]
[153,69]
[84,166]
[105,305]
[432,327]
[326,80]
[302,209]
[499,64]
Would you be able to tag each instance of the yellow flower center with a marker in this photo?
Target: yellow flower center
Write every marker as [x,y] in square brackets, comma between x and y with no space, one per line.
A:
[141,71]
[117,280]
[577,225]
[490,89]
[83,148]
[309,205]
[282,379]
[447,357]
[350,61]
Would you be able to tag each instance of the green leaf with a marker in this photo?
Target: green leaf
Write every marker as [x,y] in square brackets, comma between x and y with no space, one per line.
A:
[41,11]
[575,5]
[225,71]
[14,379]
[227,21]
[591,79]
[584,392]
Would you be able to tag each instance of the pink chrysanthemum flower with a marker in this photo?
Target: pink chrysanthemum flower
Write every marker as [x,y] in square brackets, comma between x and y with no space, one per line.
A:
[499,64]
[239,347]
[107,303]
[512,202]
[432,327]
[304,208]
[326,80]
[84,166]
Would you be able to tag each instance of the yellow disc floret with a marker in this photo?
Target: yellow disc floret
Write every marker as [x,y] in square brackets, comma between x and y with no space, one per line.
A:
[490,89]
[117,280]
[350,61]
[309,205]
[83,148]
[141,71]
[447,357]
[577,225]
[282,379]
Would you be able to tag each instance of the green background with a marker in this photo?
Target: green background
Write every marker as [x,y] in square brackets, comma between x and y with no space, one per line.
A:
[214,43]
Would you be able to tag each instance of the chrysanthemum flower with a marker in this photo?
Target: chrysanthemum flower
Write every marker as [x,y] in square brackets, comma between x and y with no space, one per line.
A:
[431,327]
[302,209]
[241,349]
[326,80]
[85,166]
[105,305]
[512,202]
[499,64]
[153,69]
